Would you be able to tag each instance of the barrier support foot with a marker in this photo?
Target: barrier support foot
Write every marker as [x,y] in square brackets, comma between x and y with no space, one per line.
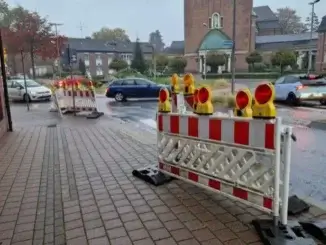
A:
[297,206]
[292,234]
[95,115]
[152,175]
[316,228]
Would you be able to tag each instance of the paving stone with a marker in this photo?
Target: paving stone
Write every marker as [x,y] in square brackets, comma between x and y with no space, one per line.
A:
[95,233]
[138,234]
[181,234]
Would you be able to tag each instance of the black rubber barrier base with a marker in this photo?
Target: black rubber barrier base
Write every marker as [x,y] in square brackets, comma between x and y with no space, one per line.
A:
[152,175]
[292,234]
[297,206]
[95,115]
[316,228]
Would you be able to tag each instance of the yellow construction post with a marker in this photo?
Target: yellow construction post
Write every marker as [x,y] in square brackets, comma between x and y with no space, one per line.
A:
[189,84]
[175,87]
[204,106]
[243,103]
[164,104]
[264,107]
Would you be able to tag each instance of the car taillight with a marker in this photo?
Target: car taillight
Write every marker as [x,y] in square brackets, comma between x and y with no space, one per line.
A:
[300,87]
[107,90]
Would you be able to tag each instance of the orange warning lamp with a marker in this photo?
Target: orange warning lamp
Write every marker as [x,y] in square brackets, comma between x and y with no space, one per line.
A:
[90,85]
[196,99]
[189,84]
[5,55]
[243,103]
[175,84]
[204,105]
[164,104]
[264,107]
[77,85]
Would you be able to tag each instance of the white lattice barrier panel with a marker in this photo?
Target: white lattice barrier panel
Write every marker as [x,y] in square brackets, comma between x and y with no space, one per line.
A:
[233,156]
[59,93]
[84,101]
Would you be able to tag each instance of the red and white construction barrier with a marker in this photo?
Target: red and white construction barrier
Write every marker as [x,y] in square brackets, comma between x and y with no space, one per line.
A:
[234,156]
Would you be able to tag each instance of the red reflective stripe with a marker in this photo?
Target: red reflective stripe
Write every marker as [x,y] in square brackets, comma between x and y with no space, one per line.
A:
[87,94]
[69,93]
[237,192]
[193,126]
[214,184]
[81,94]
[193,176]
[175,170]
[215,129]
[160,165]
[174,124]
[160,123]
[241,132]
[268,203]
[269,136]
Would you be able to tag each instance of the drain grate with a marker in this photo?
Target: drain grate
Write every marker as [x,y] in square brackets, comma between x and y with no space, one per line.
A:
[50,126]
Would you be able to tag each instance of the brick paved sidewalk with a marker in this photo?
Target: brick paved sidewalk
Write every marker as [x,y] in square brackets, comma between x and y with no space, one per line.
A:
[73,185]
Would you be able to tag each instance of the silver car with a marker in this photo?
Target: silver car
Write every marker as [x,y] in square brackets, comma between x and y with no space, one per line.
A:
[35,91]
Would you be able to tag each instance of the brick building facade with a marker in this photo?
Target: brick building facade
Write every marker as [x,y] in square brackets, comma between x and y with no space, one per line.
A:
[208,27]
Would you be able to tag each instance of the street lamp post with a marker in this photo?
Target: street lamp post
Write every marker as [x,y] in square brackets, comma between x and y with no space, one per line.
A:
[57,44]
[311,29]
[234,30]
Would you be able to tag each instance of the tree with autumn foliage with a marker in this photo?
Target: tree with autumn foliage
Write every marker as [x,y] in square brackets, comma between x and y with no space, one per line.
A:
[29,33]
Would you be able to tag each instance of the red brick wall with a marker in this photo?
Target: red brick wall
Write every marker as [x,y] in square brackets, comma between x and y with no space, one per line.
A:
[3,116]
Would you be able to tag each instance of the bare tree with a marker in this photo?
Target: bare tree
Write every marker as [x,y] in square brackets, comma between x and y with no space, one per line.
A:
[290,22]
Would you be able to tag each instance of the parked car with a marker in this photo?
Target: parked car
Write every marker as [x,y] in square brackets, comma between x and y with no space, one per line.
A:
[121,89]
[35,91]
[294,89]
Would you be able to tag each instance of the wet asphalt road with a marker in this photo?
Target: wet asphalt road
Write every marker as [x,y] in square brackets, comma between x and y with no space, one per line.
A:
[308,168]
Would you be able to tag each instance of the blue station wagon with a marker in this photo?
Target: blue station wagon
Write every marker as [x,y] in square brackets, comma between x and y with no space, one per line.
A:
[121,89]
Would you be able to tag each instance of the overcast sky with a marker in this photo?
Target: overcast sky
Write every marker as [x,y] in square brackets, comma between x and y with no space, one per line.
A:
[138,17]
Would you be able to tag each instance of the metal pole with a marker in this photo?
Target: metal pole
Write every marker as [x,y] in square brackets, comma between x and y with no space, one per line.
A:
[154,60]
[5,85]
[311,27]
[233,46]
[57,44]
[205,65]
[25,84]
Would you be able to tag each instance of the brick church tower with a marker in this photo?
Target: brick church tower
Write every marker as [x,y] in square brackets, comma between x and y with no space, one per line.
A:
[208,27]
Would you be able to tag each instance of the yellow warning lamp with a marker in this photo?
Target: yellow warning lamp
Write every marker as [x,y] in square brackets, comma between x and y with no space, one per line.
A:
[175,84]
[196,99]
[243,103]
[264,107]
[189,84]
[77,85]
[164,104]
[204,106]
[90,85]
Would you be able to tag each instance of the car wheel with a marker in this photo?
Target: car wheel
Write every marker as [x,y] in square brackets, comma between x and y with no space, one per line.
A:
[119,97]
[27,98]
[292,99]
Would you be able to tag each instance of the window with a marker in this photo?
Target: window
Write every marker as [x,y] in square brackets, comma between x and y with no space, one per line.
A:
[128,82]
[280,80]
[86,56]
[142,82]
[117,82]
[291,79]
[99,71]
[98,57]
[216,21]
